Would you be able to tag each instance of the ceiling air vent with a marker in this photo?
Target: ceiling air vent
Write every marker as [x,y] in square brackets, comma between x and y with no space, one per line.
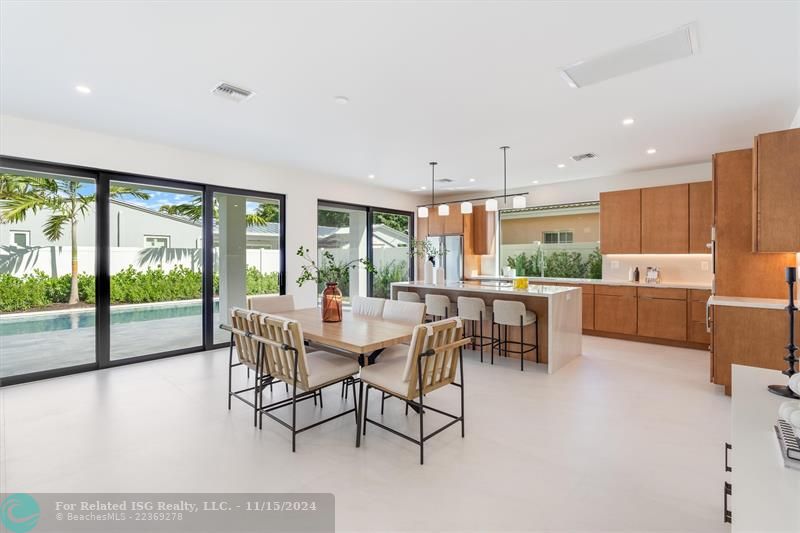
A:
[232,92]
[581,157]
[445,180]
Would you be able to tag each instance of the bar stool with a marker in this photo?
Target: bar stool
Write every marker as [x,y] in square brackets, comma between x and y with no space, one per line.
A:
[473,310]
[408,296]
[438,306]
[508,313]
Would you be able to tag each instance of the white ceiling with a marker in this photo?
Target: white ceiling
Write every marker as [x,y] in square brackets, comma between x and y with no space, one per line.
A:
[426,81]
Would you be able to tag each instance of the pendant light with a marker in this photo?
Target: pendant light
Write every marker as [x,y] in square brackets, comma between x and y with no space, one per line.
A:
[444,210]
[422,212]
[491,205]
[466,208]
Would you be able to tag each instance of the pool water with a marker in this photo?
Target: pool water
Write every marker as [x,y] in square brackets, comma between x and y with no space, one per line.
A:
[41,323]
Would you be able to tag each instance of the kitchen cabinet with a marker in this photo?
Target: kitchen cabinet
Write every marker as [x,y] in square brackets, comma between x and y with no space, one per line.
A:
[588,310]
[661,313]
[701,217]
[483,231]
[696,308]
[620,222]
[665,219]
[748,336]
[615,309]
[435,222]
[454,222]
[738,270]
[776,192]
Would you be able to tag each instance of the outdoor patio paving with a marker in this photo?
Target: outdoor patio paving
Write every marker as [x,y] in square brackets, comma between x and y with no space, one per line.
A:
[34,352]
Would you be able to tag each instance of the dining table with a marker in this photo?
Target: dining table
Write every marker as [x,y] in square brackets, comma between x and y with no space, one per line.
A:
[364,336]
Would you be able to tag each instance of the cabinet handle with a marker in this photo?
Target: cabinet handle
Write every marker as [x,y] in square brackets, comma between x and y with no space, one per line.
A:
[727,514]
[708,316]
[727,467]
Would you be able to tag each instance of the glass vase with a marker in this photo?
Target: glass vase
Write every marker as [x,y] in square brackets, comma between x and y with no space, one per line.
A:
[331,303]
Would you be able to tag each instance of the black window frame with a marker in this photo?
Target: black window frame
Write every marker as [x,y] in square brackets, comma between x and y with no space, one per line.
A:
[102,179]
[370,211]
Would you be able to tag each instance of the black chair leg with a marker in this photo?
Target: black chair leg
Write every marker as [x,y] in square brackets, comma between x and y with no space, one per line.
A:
[421,433]
[383,401]
[521,347]
[320,399]
[366,413]
[481,341]
[537,340]
[360,416]
[230,375]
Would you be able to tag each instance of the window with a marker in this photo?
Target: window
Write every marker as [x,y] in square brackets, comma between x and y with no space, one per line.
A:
[156,241]
[536,241]
[21,238]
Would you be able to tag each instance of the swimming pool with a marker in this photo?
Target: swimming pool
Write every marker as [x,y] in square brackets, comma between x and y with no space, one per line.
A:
[48,321]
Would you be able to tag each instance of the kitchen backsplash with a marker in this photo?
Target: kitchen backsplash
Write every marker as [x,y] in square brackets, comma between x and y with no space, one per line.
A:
[675,268]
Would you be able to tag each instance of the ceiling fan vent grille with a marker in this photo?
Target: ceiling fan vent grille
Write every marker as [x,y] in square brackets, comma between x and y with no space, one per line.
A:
[581,157]
[232,92]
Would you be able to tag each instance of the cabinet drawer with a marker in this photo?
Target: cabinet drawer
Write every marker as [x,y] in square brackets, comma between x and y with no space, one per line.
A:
[664,294]
[614,290]
[699,295]
[615,314]
[662,319]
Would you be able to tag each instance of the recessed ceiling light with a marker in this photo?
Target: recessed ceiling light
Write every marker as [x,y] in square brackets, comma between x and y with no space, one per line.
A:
[627,121]
[472,180]
[371,176]
[561,165]
[83,89]
[535,182]
[651,151]
[341,100]
[423,187]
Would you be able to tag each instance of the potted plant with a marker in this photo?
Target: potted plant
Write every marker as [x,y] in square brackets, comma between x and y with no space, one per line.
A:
[331,273]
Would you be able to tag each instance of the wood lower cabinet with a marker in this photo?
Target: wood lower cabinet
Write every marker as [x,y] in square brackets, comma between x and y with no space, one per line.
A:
[748,336]
[665,219]
[620,222]
[776,192]
[661,314]
[697,310]
[615,309]
[588,311]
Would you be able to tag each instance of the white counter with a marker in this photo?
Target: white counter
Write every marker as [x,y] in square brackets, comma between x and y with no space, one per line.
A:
[590,281]
[758,303]
[766,494]
[562,310]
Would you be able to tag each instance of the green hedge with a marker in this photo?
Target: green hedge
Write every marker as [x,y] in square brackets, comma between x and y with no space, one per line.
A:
[127,287]
[558,264]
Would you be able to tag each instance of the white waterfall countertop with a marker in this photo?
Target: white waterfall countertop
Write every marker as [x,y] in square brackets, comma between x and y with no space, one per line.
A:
[542,291]
[558,312]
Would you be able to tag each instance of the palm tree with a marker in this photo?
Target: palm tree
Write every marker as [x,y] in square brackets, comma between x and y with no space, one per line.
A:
[265,213]
[21,195]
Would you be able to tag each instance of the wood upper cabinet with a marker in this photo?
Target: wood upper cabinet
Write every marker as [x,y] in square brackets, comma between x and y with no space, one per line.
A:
[620,222]
[701,217]
[661,313]
[776,192]
[483,231]
[738,270]
[454,222]
[615,309]
[435,222]
[665,219]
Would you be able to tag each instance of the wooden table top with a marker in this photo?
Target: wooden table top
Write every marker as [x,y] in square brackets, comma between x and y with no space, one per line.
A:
[355,333]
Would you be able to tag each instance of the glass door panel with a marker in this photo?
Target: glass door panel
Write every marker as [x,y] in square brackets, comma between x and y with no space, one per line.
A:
[342,232]
[47,267]
[391,238]
[247,252]
[156,269]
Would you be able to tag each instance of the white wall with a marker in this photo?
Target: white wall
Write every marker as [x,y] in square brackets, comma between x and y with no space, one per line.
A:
[796,121]
[50,142]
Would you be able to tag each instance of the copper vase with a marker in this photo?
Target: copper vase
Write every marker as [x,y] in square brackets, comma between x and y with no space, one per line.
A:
[331,303]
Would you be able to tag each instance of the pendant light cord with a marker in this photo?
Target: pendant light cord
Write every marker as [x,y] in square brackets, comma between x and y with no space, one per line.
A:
[505,189]
[433,182]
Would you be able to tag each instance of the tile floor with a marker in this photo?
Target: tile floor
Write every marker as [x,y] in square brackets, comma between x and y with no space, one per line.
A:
[627,438]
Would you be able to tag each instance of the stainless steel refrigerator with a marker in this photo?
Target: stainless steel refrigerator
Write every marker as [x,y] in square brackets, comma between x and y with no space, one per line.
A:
[453,259]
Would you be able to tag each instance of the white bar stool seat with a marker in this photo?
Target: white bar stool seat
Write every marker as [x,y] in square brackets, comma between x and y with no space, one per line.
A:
[439,306]
[472,311]
[512,313]
[408,296]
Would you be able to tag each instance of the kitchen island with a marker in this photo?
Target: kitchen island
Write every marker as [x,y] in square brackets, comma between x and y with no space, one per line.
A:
[558,311]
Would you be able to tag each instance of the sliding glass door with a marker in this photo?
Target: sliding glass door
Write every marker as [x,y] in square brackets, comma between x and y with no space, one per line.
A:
[391,240]
[99,269]
[247,254]
[47,271]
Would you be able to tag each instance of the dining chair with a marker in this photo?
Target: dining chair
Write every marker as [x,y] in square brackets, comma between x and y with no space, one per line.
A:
[433,358]
[284,350]
[407,312]
[510,313]
[244,323]
[408,296]
[271,303]
[364,306]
